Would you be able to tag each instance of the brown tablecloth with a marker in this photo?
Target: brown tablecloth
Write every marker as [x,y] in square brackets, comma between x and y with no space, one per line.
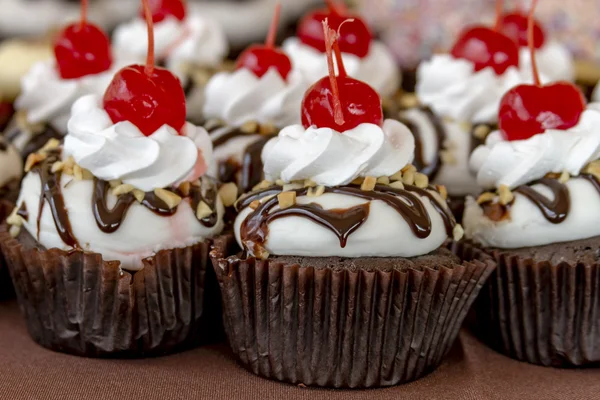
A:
[471,371]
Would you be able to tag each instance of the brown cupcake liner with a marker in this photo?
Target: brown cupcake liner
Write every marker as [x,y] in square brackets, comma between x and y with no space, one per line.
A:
[338,327]
[6,288]
[541,313]
[74,302]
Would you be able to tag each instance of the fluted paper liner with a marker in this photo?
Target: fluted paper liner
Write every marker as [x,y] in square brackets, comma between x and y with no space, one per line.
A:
[6,289]
[337,327]
[541,313]
[74,302]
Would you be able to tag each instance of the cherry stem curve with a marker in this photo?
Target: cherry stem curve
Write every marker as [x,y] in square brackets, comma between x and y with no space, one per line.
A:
[531,43]
[149,70]
[499,11]
[84,7]
[270,43]
[330,43]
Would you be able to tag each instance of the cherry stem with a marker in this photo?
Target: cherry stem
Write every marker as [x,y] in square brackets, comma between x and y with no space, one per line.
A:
[336,7]
[149,70]
[531,43]
[499,11]
[84,7]
[330,42]
[270,43]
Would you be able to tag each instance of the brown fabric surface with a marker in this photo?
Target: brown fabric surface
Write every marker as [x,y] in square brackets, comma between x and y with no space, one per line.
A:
[471,371]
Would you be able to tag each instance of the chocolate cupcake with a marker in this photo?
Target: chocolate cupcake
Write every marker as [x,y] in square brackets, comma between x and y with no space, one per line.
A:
[247,107]
[108,245]
[541,226]
[188,44]
[339,276]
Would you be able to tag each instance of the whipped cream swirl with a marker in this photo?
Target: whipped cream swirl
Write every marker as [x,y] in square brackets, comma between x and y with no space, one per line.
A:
[332,158]
[241,96]
[514,163]
[121,151]
[453,90]
[378,68]
[194,40]
[554,61]
[48,98]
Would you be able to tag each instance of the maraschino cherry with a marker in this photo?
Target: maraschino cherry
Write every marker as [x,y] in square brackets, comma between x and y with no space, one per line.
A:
[356,38]
[162,9]
[515,26]
[527,110]
[487,47]
[82,49]
[260,58]
[340,103]
[147,96]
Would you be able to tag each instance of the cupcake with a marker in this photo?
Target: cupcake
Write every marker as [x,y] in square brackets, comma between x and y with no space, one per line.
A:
[189,45]
[456,103]
[82,64]
[343,279]
[540,223]
[365,58]
[108,244]
[247,107]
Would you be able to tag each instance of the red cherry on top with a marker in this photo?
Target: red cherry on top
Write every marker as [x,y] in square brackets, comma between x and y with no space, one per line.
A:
[356,36]
[514,25]
[260,58]
[339,103]
[147,96]
[82,49]
[528,110]
[162,9]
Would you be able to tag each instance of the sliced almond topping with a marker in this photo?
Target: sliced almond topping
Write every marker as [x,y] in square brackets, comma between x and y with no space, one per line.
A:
[33,159]
[368,184]
[228,193]
[421,180]
[15,219]
[14,231]
[316,192]
[279,182]
[442,191]
[286,199]
[458,232]
[139,195]
[267,129]
[87,175]
[249,127]
[57,166]
[292,186]
[123,189]
[397,176]
[70,162]
[170,198]
[309,183]
[397,185]
[358,181]
[50,145]
[481,132]
[114,183]
[486,197]
[383,180]
[447,157]
[505,195]
[408,168]
[564,177]
[408,178]
[255,204]
[185,188]
[203,210]
[263,185]
[77,172]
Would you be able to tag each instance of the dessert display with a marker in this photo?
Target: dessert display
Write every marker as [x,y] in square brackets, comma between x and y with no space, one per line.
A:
[82,64]
[189,45]
[245,108]
[365,58]
[456,102]
[539,220]
[108,243]
[344,279]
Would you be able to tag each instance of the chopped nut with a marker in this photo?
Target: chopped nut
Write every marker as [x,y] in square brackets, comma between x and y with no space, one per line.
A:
[70,162]
[87,175]
[309,183]
[267,129]
[421,180]
[122,189]
[25,125]
[409,100]
[506,196]
[397,185]
[383,180]
[33,159]
[481,131]
[185,188]
[139,195]
[249,127]
[368,184]
[286,199]
[408,178]
[442,191]
[279,182]
[486,197]
[263,185]
[255,204]
[228,193]
[316,192]
[408,168]
[397,176]
[291,186]
[564,177]
[458,232]
[358,181]
[77,172]
[14,231]
[170,198]
[57,166]
[114,183]
[261,254]
[50,145]
[447,157]
[203,210]
[14,219]
[593,168]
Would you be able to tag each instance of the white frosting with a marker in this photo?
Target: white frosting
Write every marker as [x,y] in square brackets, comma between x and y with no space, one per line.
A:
[378,68]
[554,60]
[141,234]
[384,233]
[514,163]
[11,165]
[48,98]
[528,227]
[331,158]
[240,96]
[194,40]
[121,151]
[453,90]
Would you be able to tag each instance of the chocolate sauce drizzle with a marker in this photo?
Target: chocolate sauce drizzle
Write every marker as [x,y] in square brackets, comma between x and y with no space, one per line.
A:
[343,222]
[554,210]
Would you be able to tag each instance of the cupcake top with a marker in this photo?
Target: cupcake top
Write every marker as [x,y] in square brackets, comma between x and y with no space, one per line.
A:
[343,183]
[11,166]
[364,58]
